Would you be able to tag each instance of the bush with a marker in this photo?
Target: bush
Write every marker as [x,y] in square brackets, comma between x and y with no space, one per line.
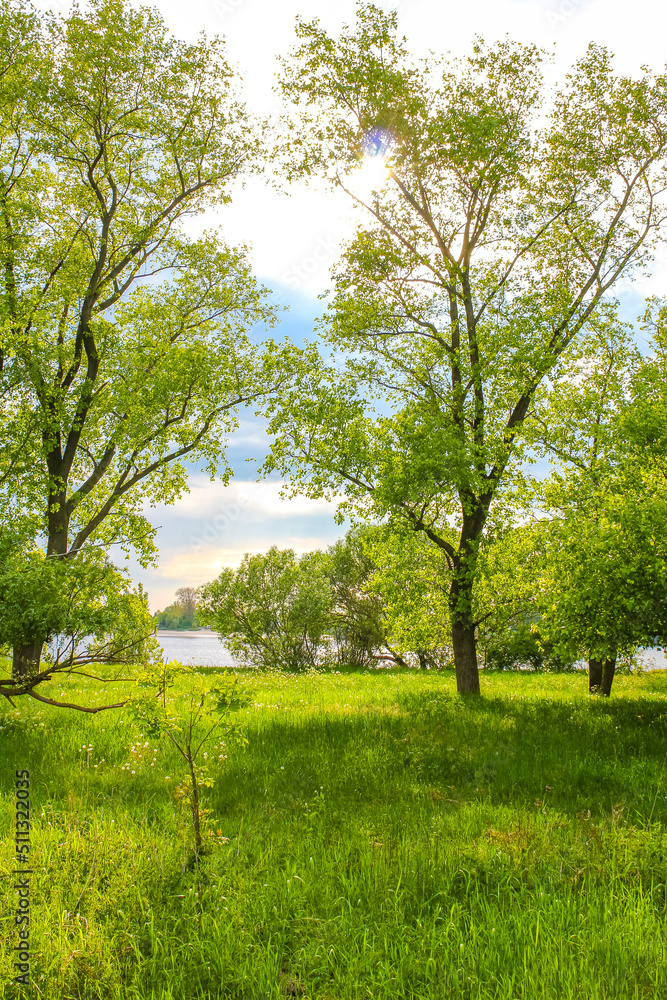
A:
[274,611]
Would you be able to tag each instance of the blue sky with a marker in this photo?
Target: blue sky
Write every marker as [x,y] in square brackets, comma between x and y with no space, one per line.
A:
[294,239]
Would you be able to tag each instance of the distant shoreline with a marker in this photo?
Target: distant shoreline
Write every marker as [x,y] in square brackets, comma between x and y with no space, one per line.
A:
[186,633]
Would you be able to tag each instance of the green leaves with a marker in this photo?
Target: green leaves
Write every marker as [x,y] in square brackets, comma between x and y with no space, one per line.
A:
[273,611]
[124,345]
[487,254]
[83,607]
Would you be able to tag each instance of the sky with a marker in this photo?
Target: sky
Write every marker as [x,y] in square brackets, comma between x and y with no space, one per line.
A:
[294,239]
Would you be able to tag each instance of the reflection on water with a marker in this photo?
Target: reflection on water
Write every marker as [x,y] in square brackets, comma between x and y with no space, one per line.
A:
[200,649]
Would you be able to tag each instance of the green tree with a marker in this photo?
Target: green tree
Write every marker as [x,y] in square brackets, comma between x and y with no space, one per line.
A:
[182,614]
[186,598]
[643,423]
[494,237]
[173,617]
[83,608]
[123,343]
[410,579]
[274,611]
[603,591]
[358,609]
[181,719]
[508,606]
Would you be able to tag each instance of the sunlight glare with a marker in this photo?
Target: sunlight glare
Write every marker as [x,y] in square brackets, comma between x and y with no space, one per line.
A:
[373,171]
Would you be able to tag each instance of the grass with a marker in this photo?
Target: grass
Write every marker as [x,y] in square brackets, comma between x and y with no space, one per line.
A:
[379,837]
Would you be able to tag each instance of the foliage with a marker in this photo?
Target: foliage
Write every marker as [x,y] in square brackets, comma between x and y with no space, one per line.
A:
[359,630]
[83,607]
[186,597]
[411,579]
[182,614]
[600,590]
[274,611]
[124,343]
[175,616]
[643,423]
[182,715]
[605,590]
[493,242]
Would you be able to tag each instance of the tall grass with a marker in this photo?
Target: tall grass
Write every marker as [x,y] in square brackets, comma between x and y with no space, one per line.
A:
[379,837]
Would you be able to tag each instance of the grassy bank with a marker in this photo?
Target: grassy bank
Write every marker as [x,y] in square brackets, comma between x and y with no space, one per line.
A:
[379,837]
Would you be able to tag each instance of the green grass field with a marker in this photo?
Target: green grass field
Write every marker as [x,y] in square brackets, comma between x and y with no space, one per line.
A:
[379,837]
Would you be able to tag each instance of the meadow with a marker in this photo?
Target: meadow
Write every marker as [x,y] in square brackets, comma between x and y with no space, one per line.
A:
[378,837]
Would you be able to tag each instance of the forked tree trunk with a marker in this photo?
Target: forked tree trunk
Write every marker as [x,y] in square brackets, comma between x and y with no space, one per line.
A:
[594,675]
[601,674]
[608,671]
[25,660]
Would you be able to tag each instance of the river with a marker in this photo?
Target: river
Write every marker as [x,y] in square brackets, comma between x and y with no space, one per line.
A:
[198,648]
[204,649]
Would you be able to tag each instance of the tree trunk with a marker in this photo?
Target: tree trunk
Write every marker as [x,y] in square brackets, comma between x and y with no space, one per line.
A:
[463,631]
[421,653]
[465,659]
[594,675]
[58,521]
[608,671]
[25,660]
[195,808]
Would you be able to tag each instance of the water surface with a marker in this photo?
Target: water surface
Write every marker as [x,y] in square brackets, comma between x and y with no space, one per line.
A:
[199,648]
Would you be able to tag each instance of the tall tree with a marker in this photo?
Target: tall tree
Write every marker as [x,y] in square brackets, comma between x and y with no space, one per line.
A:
[498,229]
[124,344]
[186,597]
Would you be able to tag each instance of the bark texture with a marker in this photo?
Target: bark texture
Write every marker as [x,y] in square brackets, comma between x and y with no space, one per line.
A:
[608,671]
[600,675]
[465,659]
[594,675]
[25,660]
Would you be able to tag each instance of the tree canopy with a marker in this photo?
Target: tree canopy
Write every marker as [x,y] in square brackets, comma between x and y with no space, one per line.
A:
[495,234]
[125,345]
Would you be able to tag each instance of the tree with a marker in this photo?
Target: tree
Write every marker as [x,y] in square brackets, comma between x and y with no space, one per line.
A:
[274,611]
[410,579]
[493,240]
[513,566]
[123,344]
[83,608]
[358,609]
[173,617]
[602,590]
[186,597]
[202,705]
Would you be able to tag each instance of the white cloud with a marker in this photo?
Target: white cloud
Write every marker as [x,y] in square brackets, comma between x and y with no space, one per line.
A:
[193,568]
[212,502]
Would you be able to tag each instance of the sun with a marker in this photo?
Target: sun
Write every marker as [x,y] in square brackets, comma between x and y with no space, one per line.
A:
[373,171]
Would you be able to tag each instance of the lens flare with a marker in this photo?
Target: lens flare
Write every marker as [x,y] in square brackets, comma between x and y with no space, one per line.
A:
[377,142]
[373,171]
